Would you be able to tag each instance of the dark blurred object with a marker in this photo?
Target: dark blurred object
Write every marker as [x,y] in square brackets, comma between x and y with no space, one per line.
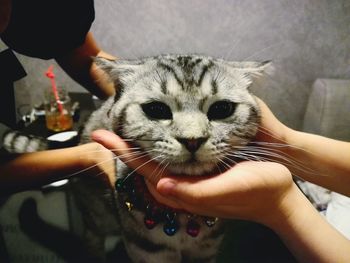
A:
[11,70]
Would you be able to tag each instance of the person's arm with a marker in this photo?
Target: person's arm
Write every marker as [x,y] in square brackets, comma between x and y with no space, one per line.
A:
[79,65]
[263,192]
[317,159]
[25,171]
[306,232]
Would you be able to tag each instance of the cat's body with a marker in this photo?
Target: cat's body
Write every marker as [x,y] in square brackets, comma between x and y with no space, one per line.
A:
[190,114]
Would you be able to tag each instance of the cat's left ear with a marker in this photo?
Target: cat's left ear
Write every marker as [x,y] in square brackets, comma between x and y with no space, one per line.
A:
[252,68]
[255,72]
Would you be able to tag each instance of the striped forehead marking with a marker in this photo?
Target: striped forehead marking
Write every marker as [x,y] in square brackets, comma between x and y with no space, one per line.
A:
[187,71]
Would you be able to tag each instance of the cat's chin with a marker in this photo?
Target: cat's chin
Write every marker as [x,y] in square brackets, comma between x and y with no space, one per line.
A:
[192,169]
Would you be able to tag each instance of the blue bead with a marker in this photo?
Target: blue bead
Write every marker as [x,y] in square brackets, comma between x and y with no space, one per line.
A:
[119,185]
[170,228]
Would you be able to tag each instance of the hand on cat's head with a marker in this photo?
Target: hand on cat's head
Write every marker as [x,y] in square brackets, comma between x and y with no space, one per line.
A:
[270,129]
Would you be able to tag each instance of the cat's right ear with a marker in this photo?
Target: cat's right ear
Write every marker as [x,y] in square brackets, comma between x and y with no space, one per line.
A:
[106,65]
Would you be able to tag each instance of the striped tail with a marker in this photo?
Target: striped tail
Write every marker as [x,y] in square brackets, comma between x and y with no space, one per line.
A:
[17,142]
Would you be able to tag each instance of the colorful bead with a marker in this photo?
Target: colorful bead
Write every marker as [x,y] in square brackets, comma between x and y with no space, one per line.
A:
[170,228]
[133,194]
[210,221]
[192,228]
[119,185]
[149,222]
[129,206]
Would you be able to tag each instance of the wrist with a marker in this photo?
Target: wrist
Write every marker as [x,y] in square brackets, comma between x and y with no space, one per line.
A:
[86,154]
[97,162]
[291,206]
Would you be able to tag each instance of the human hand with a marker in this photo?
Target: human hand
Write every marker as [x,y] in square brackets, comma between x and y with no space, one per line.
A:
[270,129]
[249,190]
[97,161]
[100,77]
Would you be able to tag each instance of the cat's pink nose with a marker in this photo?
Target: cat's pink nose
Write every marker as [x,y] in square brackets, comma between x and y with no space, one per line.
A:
[192,144]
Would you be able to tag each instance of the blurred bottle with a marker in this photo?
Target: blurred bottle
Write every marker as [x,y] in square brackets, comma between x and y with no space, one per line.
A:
[58,110]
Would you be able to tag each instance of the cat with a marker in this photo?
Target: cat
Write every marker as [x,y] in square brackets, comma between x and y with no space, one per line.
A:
[189,113]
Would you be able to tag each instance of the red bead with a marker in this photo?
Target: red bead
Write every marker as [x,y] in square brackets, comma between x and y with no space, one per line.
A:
[192,228]
[150,222]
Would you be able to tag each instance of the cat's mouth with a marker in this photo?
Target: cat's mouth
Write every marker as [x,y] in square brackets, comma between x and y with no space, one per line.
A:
[192,167]
[195,167]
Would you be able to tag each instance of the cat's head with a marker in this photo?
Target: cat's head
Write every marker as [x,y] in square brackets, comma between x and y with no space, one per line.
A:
[189,113]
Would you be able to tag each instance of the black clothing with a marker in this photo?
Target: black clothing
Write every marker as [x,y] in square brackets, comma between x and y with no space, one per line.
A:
[47,29]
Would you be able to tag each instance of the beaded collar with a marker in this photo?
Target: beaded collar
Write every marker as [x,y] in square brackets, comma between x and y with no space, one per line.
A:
[133,193]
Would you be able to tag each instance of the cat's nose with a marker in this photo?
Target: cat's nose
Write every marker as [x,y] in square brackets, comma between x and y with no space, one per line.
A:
[192,144]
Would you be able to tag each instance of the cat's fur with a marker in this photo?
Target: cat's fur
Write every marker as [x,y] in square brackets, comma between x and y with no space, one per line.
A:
[208,114]
[189,86]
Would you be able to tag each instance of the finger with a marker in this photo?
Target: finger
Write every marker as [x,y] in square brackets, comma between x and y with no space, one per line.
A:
[139,162]
[232,186]
[203,190]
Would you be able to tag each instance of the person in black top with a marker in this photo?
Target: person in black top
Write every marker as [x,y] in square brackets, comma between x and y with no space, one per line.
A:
[54,30]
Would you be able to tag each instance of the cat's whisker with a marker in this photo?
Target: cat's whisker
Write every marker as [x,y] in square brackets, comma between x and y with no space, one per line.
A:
[142,140]
[277,154]
[273,156]
[264,49]
[272,144]
[248,157]
[92,166]
[114,149]
[128,155]
[260,159]
[160,173]
[159,165]
[272,135]
[224,163]
[218,166]
[140,166]
[135,158]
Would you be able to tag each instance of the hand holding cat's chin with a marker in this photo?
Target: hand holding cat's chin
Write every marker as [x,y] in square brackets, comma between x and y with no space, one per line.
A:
[161,198]
[246,191]
[121,148]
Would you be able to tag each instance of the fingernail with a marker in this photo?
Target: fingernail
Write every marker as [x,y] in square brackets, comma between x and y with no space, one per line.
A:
[167,187]
[95,138]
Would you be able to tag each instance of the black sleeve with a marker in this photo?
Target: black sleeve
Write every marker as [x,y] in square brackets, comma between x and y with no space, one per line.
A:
[3,131]
[47,29]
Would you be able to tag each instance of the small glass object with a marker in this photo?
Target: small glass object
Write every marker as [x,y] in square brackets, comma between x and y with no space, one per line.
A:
[58,110]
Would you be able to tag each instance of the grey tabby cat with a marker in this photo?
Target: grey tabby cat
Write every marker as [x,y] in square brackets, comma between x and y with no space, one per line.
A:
[189,113]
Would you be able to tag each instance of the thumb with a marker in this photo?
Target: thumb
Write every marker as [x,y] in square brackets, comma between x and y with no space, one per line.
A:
[199,190]
[133,156]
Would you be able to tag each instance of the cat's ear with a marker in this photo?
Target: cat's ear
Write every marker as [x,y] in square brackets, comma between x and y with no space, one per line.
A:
[116,66]
[106,65]
[252,68]
[254,72]
[117,70]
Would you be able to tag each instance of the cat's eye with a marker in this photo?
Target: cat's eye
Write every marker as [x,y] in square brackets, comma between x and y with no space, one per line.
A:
[221,110]
[157,110]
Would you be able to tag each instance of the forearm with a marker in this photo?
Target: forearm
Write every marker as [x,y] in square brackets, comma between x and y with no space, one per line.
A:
[323,161]
[306,233]
[30,170]
[79,65]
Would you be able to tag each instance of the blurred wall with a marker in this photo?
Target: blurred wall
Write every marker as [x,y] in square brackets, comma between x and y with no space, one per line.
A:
[306,39]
